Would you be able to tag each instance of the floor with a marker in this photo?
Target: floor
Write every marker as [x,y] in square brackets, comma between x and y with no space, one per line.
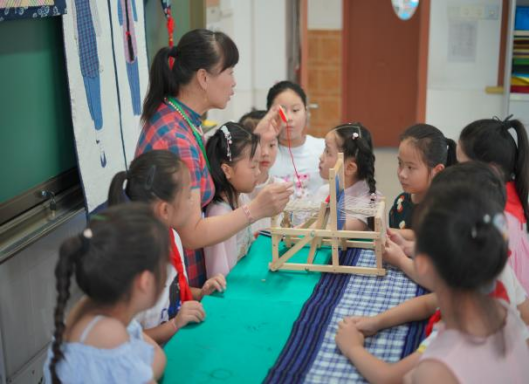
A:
[386,174]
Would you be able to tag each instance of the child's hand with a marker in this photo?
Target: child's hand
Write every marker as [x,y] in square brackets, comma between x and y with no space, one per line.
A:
[348,336]
[406,245]
[190,312]
[368,325]
[216,283]
[393,254]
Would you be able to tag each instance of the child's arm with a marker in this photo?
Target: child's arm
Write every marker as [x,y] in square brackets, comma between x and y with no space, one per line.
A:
[350,341]
[159,361]
[417,308]
[216,283]
[523,308]
[355,225]
[407,234]
[190,312]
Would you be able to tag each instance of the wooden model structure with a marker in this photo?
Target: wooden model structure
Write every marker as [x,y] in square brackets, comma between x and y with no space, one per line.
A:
[328,231]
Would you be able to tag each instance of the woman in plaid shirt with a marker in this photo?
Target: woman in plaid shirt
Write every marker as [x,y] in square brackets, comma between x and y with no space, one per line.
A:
[185,82]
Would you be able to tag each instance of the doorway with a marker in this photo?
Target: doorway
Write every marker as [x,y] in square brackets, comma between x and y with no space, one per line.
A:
[385,68]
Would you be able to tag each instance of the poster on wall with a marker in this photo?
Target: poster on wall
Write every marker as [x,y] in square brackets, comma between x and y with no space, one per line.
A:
[130,53]
[30,9]
[106,62]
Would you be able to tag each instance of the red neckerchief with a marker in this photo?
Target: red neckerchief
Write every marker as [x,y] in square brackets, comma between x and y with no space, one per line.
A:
[514,204]
[176,260]
[499,293]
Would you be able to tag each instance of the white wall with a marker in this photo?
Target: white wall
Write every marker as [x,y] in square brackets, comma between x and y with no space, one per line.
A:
[325,14]
[456,88]
[259,30]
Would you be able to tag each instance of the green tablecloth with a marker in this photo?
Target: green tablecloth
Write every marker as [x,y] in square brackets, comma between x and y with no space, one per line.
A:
[247,326]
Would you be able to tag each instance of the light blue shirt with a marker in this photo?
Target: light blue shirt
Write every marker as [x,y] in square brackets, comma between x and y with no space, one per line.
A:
[131,362]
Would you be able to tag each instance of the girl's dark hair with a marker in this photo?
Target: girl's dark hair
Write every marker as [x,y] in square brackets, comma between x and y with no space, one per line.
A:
[434,147]
[281,87]
[217,152]
[458,228]
[197,49]
[359,148]
[251,119]
[489,140]
[474,173]
[456,231]
[117,245]
[151,176]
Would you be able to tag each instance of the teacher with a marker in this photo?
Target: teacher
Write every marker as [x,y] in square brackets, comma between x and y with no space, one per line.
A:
[185,82]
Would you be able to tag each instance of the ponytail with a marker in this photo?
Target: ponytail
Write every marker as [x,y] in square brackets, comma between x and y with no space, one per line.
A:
[197,49]
[491,141]
[451,158]
[521,166]
[116,194]
[69,253]
[356,143]
[162,83]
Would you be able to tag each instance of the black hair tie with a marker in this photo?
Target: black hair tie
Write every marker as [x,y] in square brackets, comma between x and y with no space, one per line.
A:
[505,123]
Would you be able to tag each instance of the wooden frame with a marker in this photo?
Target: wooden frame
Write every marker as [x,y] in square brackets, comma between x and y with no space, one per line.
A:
[296,238]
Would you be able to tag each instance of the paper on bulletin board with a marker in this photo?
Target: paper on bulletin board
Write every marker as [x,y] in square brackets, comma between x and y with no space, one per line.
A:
[462,41]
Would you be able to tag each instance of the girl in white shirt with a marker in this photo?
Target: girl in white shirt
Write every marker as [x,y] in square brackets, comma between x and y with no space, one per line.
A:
[297,158]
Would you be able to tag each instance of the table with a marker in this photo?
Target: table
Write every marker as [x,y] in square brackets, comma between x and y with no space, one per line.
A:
[264,315]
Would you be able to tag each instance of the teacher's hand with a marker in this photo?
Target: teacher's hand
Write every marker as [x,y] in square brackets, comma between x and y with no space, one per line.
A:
[271,121]
[271,201]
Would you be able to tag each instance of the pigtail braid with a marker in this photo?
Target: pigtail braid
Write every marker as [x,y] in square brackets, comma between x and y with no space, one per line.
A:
[68,255]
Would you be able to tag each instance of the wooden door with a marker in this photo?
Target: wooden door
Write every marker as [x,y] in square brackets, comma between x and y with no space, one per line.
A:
[384,68]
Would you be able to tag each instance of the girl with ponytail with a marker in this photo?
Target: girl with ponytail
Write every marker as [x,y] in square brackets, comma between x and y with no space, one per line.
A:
[161,179]
[354,141]
[119,264]
[504,145]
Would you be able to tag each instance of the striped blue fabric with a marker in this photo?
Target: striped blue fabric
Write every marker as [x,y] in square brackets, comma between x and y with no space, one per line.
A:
[310,354]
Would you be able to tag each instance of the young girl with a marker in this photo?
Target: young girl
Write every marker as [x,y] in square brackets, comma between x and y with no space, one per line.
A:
[162,180]
[461,249]
[491,141]
[234,155]
[354,141]
[119,263]
[269,148]
[294,142]
[423,152]
[251,119]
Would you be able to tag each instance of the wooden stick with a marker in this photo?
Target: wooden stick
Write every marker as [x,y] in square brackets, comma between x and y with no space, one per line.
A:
[367,235]
[331,268]
[319,225]
[274,266]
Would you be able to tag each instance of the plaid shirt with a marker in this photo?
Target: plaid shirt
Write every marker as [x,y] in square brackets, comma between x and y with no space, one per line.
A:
[168,130]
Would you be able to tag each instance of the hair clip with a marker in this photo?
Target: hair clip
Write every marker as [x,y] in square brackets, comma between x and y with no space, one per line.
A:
[498,221]
[227,135]
[355,135]
[85,236]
